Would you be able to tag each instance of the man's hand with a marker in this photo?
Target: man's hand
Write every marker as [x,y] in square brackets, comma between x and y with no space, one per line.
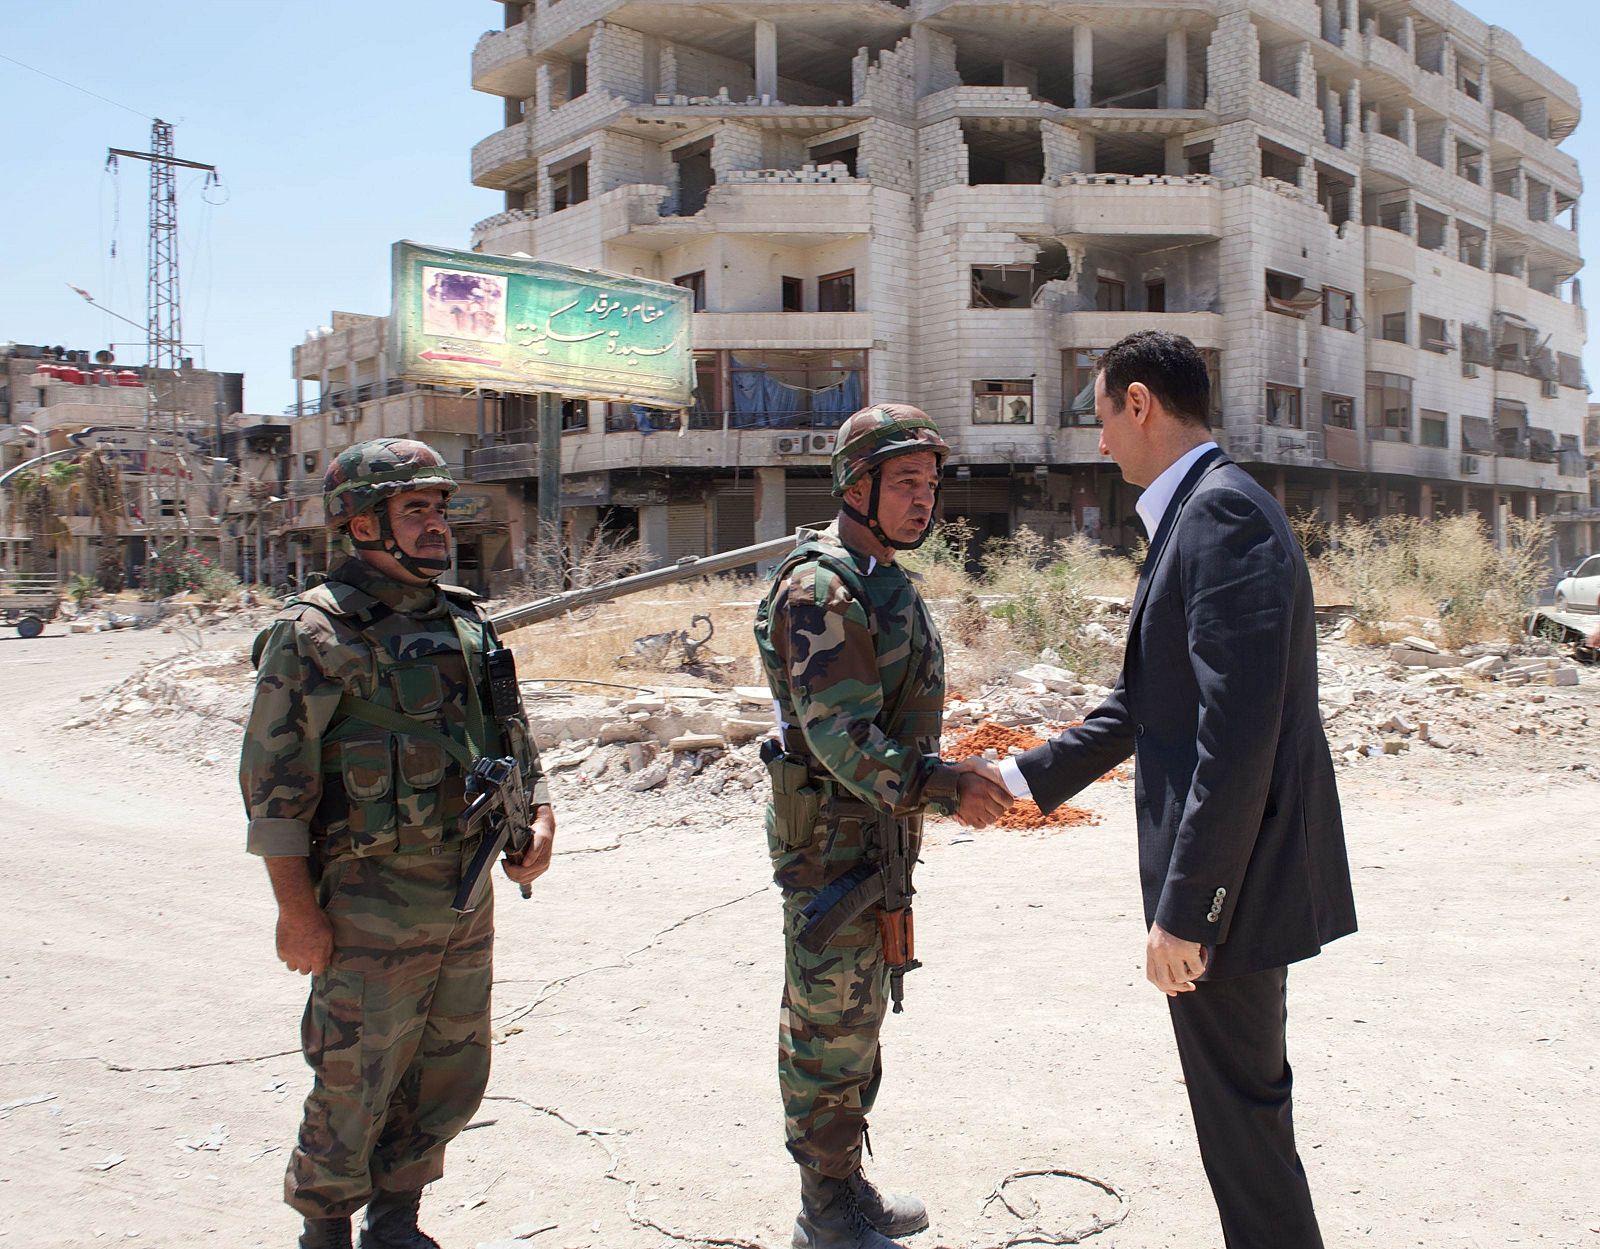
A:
[535,858]
[305,939]
[1170,964]
[982,796]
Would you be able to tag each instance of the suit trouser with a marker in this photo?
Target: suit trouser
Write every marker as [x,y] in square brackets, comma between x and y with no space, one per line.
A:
[396,1031]
[1231,1042]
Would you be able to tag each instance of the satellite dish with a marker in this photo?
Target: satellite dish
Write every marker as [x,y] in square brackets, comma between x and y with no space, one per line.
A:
[105,356]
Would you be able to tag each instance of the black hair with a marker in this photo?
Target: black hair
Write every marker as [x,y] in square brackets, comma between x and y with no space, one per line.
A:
[1170,367]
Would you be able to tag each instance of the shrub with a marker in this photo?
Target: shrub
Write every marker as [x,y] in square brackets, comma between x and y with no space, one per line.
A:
[187,571]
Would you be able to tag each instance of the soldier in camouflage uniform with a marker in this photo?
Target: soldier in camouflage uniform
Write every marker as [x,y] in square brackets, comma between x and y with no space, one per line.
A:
[368,712]
[857,677]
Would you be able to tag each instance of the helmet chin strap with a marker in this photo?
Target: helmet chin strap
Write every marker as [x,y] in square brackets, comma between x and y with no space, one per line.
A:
[416,565]
[870,517]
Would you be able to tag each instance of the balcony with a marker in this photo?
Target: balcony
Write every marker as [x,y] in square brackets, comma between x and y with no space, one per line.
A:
[1510,132]
[505,158]
[1274,444]
[1386,357]
[510,462]
[798,330]
[503,63]
[1409,460]
[1127,204]
[803,215]
[1392,253]
[1102,329]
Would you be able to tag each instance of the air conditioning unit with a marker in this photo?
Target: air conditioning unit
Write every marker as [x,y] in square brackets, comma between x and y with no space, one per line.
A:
[1469,466]
[789,444]
[821,444]
[1468,369]
[338,416]
[1550,388]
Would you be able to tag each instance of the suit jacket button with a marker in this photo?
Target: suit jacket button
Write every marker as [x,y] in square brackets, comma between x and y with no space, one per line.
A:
[1221,894]
[1138,730]
[1213,916]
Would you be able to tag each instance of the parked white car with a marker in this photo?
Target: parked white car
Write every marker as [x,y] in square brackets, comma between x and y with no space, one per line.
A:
[1579,590]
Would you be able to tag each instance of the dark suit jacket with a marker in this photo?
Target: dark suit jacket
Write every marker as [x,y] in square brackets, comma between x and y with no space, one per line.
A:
[1241,845]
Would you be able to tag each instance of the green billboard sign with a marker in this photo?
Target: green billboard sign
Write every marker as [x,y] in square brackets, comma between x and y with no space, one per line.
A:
[504,323]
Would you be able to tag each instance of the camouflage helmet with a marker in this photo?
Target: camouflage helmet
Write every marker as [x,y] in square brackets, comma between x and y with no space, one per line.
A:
[362,476]
[882,432]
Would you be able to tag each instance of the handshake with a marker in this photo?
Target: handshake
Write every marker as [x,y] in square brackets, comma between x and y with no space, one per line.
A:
[982,796]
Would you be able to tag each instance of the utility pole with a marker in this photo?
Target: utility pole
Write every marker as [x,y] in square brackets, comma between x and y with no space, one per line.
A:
[163,330]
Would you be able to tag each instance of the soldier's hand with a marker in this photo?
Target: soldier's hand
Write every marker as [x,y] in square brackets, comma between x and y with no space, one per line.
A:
[305,939]
[535,858]
[982,796]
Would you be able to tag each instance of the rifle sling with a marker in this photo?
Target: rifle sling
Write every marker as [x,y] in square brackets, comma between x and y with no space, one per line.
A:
[840,902]
[386,718]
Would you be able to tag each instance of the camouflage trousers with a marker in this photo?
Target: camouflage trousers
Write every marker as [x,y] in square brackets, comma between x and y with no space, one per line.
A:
[396,1031]
[829,1060]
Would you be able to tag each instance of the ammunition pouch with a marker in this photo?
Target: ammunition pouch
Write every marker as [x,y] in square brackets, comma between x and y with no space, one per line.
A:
[796,796]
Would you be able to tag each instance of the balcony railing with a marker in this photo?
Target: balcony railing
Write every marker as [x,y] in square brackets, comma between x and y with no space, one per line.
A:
[513,460]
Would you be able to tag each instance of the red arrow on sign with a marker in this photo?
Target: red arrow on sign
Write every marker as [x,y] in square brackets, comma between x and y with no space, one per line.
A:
[459,357]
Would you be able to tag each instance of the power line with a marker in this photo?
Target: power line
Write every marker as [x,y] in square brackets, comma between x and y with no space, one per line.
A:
[75,87]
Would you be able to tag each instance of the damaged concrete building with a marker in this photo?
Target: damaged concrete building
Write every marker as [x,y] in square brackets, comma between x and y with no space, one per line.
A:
[1357,208]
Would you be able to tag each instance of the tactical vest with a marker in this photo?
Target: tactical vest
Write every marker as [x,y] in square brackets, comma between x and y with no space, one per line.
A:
[409,725]
[913,713]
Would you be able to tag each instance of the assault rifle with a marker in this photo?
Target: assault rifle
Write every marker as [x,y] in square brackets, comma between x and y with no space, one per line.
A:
[495,794]
[494,787]
[885,884]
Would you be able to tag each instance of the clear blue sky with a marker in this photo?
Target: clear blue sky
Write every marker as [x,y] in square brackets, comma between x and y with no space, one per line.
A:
[338,127]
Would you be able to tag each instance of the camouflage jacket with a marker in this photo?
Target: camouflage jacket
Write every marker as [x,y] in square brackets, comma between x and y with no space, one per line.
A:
[316,775]
[838,667]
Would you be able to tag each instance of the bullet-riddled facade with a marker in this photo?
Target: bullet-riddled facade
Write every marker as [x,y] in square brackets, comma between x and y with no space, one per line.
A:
[1361,212]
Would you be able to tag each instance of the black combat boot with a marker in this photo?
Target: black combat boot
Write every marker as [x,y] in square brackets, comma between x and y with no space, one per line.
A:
[392,1222]
[326,1234]
[830,1218]
[893,1214]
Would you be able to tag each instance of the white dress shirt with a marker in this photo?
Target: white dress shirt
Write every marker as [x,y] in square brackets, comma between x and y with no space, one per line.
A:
[1152,506]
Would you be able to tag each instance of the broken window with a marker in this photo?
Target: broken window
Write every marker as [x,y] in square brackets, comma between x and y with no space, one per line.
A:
[1469,77]
[836,292]
[844,152]
[1433,429]
[696,176]
[1003,286]
[1287,294]
[1077,376]
[1338,309]
[1335,191]
[1283,405]
[1431,229]
[1339,411]
[695,284]
[1002,156]
[569,183]
[793,294]
[1110,295]
[1434,335]
[1006,402]
[1475,348]
[1477,435]
[1511,428]
[1389,407]
[574,415]
[1570,371]
[1280,162]
[1472,246]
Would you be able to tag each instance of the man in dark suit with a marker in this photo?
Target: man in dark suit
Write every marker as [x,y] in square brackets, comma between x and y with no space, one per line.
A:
[1241,846]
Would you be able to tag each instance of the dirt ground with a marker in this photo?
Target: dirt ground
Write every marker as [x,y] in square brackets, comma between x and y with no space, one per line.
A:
[150,1081]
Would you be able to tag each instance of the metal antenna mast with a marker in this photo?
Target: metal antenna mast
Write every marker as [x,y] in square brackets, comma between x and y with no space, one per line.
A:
[163,325]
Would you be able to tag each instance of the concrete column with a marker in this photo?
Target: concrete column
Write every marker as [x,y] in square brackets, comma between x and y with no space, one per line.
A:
[1082,66]
[766,59]
[1016,74]
[1530,509]
[653,532]
[1330,501]
[1173,162]
[1408,33]
[1408,128]
[1352,20]
[1177,69]
[1425,501]
[1279,487]
[772,519]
